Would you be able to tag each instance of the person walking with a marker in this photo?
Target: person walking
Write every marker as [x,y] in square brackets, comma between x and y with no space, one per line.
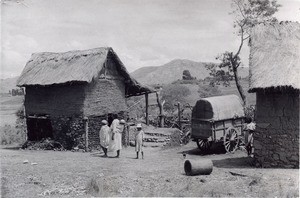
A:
[139,136]
[104,137]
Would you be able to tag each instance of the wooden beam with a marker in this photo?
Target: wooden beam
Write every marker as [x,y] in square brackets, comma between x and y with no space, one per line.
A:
[86,128]
[179,115]
[147,104]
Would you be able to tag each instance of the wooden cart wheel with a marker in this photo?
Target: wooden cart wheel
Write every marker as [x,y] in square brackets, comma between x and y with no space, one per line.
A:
[203,144]
[231,139]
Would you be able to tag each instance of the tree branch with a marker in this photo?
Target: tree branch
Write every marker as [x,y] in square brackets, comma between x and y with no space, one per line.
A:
[246,37]
[240,9]
[242,43]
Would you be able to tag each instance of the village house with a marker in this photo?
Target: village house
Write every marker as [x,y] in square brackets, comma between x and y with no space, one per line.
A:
[68,94]
[275,77]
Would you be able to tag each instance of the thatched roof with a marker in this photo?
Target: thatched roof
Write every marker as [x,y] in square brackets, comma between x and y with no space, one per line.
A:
[275,56]
[47,68]
[218,108]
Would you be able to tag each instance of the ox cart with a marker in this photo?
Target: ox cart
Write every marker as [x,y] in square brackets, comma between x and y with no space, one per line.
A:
[218,119]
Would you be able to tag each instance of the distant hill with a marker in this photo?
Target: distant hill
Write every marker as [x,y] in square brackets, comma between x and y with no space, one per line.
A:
[8,84]
[172,71]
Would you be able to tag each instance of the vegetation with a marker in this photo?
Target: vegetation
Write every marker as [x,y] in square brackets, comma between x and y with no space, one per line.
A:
[186,75]
[15,134]
[208,91]
[247,13]
[172,94]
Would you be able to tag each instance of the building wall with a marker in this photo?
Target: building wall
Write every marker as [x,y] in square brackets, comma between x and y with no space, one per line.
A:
[63,100]
[276,139]
[104,96]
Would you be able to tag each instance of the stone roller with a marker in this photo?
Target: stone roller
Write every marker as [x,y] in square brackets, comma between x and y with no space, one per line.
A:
[198,167]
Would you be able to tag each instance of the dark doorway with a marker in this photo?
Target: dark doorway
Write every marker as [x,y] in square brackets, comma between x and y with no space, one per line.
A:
[110,118]
[39,128]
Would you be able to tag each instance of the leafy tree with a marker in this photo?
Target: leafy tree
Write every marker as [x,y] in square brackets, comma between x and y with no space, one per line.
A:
[186,75]
[247,13]
[172,94]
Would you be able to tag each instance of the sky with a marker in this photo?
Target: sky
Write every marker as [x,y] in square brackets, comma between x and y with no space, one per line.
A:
[141,32]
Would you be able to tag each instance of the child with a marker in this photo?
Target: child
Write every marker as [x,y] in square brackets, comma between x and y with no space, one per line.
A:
[139,136]
[250,127]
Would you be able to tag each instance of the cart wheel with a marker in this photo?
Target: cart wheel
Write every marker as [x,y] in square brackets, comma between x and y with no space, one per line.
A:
[203,144]
[231,139]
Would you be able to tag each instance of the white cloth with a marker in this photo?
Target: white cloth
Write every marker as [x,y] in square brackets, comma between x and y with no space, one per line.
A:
[251,126]
[117,130]
[104,136]
[139,135]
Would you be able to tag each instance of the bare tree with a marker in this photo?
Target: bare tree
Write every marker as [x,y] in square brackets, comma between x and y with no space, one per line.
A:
[247,14]
[160,104]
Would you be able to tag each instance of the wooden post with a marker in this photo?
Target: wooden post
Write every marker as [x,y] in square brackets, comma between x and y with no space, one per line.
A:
[147,114]
[179,115]
[86,129]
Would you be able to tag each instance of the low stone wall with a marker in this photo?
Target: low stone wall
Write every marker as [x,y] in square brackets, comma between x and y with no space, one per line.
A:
[276,139]
[69,131]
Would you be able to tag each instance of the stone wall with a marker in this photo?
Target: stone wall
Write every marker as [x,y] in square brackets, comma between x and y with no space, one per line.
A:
[69,131]
[276,139]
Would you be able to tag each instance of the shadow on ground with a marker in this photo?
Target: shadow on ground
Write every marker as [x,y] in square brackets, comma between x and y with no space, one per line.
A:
[240,162]
[214,149]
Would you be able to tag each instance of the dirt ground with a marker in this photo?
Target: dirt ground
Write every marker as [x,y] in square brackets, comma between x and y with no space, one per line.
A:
[161,173]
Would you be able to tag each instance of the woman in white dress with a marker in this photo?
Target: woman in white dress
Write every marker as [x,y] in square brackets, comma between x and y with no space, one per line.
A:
[117,128]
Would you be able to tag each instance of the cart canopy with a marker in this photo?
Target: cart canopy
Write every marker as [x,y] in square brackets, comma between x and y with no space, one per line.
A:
[218,108]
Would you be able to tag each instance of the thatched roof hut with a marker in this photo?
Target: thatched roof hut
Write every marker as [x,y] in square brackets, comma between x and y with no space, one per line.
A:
[71,92]
[275,77]
[275,56]
[47,68]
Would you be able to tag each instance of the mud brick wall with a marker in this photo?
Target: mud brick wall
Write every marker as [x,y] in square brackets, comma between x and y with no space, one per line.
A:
[276,139]
[69,131]
[56,100]
[106,94]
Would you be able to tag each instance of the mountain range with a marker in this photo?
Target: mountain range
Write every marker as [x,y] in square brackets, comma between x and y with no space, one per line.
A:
[173,70]
[163,74]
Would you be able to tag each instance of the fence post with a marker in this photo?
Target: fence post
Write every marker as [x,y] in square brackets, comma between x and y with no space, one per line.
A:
[147,114]
[179,115]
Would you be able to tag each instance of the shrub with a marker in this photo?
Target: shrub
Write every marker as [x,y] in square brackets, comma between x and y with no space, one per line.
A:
[208,91]
[250,111]
[11,135]
[15,134]
[173,94]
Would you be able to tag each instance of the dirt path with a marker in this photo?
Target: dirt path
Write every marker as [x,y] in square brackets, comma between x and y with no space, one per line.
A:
[75,174]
